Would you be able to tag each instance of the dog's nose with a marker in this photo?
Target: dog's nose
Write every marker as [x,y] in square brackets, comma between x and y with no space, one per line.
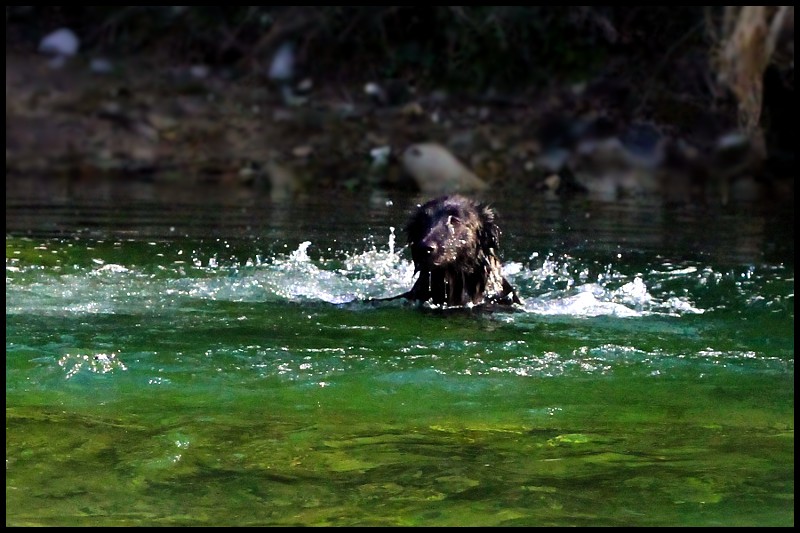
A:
[428,248]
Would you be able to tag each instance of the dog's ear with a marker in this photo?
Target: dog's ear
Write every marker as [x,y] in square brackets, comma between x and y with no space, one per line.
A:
[489,232]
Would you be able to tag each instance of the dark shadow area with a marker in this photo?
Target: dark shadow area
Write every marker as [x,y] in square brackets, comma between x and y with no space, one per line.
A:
[689,104]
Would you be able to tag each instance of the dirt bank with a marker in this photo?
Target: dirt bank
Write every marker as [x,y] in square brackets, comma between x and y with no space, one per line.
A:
[184,124]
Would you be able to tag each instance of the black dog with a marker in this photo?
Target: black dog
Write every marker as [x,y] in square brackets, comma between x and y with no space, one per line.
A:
[454,243]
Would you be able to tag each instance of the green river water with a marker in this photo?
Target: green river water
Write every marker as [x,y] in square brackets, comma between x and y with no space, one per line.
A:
[210,360]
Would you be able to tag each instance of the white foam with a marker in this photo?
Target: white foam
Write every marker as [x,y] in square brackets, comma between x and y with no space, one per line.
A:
[558,286]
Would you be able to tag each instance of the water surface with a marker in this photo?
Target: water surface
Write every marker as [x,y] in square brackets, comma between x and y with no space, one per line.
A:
[198,358]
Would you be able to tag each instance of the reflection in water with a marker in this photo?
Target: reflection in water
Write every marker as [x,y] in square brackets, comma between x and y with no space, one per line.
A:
[107,208]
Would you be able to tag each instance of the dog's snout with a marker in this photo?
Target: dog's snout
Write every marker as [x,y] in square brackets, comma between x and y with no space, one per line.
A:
[428,247]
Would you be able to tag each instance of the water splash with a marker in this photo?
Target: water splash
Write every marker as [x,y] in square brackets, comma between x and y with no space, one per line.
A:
[568,286]
[549,284]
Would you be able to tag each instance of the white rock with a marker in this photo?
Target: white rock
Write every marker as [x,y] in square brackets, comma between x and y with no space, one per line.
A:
[199,72]
[438,171]
[282,67]
[62,42]
[100,65]
[380,155]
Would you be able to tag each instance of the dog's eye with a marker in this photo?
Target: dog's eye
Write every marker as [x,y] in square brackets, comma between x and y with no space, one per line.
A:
[453,220]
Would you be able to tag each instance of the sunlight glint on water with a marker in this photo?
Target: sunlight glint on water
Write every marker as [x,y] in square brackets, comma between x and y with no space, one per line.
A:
[229,380]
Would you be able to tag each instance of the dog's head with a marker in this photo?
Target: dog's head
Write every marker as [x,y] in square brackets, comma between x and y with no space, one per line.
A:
[452,232]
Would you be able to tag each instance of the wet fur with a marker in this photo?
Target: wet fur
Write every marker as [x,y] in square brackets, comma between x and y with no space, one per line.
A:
[454,244]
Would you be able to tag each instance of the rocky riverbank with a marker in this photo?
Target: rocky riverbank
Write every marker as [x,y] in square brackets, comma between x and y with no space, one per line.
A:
[189,124]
